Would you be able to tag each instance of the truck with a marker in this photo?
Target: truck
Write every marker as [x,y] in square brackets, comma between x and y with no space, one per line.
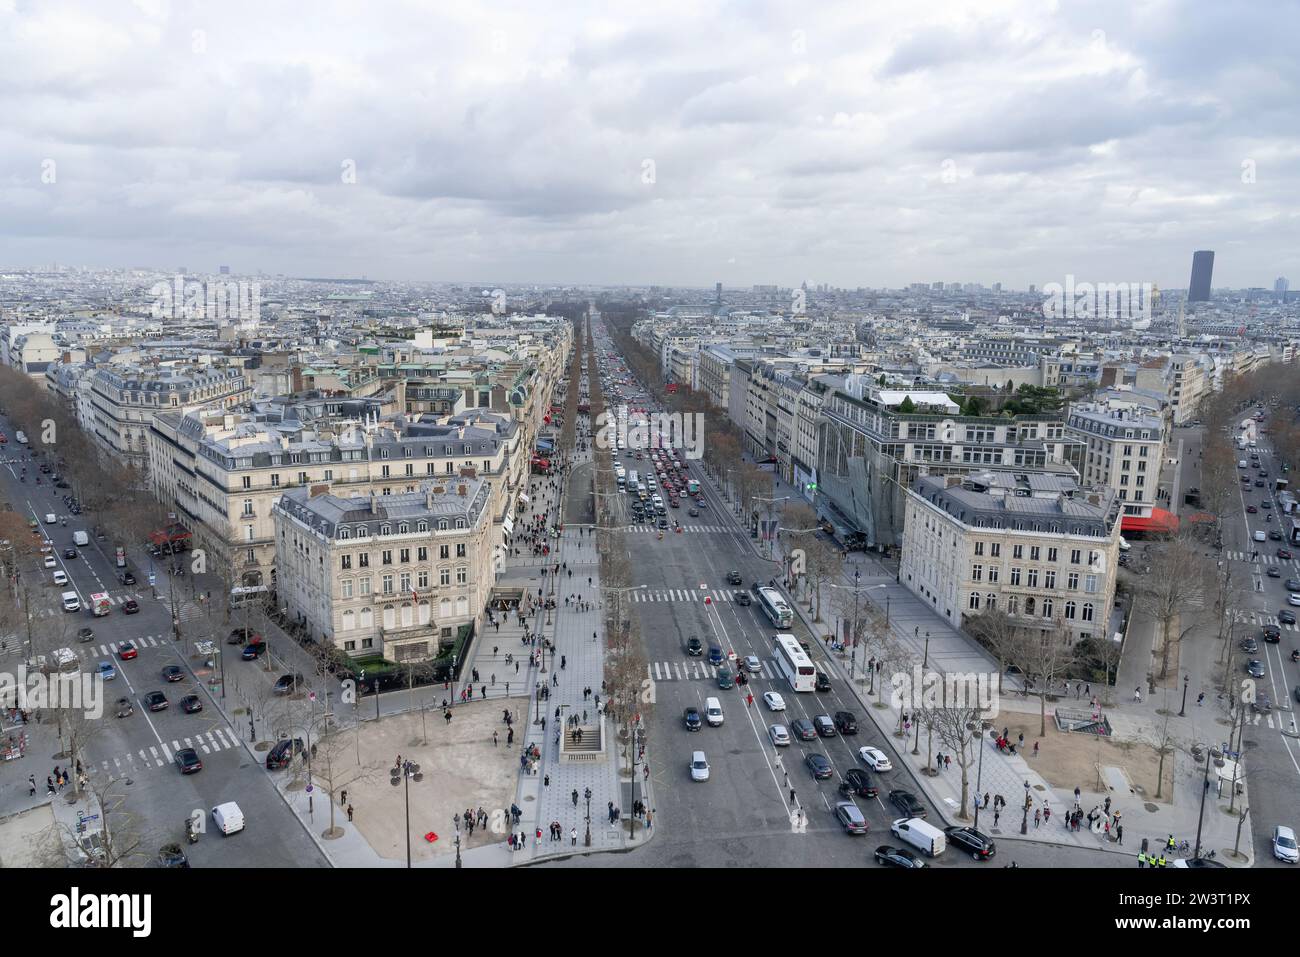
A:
[80,538]
[692,487]
[100,604]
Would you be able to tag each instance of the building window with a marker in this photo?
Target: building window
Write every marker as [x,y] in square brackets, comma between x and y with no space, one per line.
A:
[993,574]
[1033,553]
[995,549]
[248,507]
[444,576]
[1090,584]
[462,575]
[346,586]
[460,549]
[387,584]
[1047,608]
[1076,556]
[1017,552]
[248,481]
[422,579]
[422,554]
[1072,581]
[990,602]
[275,480]
[1015,576]
[979,548]
[386,557]
[404,556]
[1087,611]
[974,600]
[444,552]
[404,581]
[1069,610]
[977,573]
[346,562]
[1049,579]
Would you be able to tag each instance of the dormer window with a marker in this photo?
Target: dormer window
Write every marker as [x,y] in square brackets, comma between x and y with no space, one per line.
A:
[442,525]
[403,528]
[345,532]
[385,530]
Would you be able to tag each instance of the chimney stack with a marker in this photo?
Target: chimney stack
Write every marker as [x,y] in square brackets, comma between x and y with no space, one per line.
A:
[374,503]
[461,490]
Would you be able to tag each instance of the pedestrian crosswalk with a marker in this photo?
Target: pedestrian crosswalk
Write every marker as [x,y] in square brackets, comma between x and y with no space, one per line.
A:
[681,594]
[1259,618]
[1262,560]
[161,755]
[649,528]
[697,669]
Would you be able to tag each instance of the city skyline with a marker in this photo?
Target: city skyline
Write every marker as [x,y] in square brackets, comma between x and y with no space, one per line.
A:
[865,148]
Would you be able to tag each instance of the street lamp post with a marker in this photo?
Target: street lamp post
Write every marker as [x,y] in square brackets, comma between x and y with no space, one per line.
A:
[925,663]
[979,774]
[587,839]
[1182,712]
[456,820]
[1205,786]
[403,775]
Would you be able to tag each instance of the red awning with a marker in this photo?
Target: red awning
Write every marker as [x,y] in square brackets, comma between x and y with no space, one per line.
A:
[1159,521]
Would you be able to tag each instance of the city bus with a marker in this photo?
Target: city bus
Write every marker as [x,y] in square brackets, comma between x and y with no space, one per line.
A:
[774,606]
[248,595]
[693,487]
[794,663]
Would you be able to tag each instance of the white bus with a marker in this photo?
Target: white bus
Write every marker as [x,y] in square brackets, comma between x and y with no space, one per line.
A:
[774,606]
[794,663]
[248,595]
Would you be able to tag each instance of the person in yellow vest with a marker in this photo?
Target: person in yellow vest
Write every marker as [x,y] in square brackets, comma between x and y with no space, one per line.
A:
[1142,859]
[1163,862]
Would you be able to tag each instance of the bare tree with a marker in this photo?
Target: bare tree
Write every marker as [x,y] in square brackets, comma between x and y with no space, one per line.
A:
[958,721]
[1176,583]
[1044,657]
[117,842]
[333,767]
[822,564]
[1163,741]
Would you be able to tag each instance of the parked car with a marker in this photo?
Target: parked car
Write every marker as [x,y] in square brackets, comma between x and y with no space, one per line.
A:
[1286,617]
[287,684]
[191,704]
[155,701]
[173,673]
[1249,645]
[253,650]
[699,767]
[1255,668]
[283,752]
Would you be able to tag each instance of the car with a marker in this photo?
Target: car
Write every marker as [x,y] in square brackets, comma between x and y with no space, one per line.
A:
[716,656]
[1255,668]
[850,817]
[725,678]
[1274,535]
[1292,584]
[1251,509]
[1273,572]
[824,724]
[692,718]
[1284,554]
[62,484]
[819,766]
[846,722]
[130,606]
[779,735]
[155,701]
[125,708]
[907,802]
[694,647]
[699,767]
[978,844]
[1284,845]
[287,684]
[693,512]
[187,759]
[69,552]
[173,673]
[823,681]
[803,729]
[191,704]
[891,856]
[127,650]
[1286,617]
[875,759]
[1249,645]
[733,578]
[774,701]
[700,503]
[1266,504]
[1262,704]
[253,650]
[283,752]
[857,781]
[742,598]
[50,562]
[171,855]
[106,671]
[752,664]
[85,634]
[127,578]
[662,523]
[1271,633]
[1259,483]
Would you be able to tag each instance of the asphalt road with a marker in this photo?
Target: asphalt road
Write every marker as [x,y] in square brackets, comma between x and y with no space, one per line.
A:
[137,752]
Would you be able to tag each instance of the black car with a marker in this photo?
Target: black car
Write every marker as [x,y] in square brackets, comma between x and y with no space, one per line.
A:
[906,802]
[69,552]
[155,701]
[823,681]
[128,578]
[803,729]
[1271,633]
[283,752]
[820,766]
[85,634]
[1286,617]
[733,578]
[846,722]
[857,781]
[253,650]
[824,725]
[694,647]
[1273,572]
[663,523]
[130,606]
[191,704]
[897,857]
[979,845]
[171,855]
[726,679]
[187,759]
[692,719]
[287,684]
[742,598]
[173,673]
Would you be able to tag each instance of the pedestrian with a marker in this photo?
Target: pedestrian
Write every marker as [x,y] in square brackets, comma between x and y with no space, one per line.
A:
[1020,741]
[997,813]
[1119,834]
[792,797]
[494,679]
[546,781]
[343,796]
[1137,695]
[31,785]
[1038,817]
[1035,749]
[1076,797]
[349,812]
[1199,698]
[494,739]
[1047,813]
[986,799]
[574,795]
[1106,805]
[563,661]
[1142,859]
[573,837]
[516,667]
[510,735]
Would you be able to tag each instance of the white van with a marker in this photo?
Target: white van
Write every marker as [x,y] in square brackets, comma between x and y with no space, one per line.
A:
[924,837]
[60,578]
[713,711]
[228,818]
[1241,463]
[1260,537]
[50,518]
[70,601]
[80,538]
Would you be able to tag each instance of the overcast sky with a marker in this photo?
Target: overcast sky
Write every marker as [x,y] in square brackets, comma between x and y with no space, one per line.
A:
[873,143]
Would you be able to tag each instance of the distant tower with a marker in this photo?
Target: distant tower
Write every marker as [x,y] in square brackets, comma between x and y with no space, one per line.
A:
[225,270]
[1280,286]
[717,294]
[1202,272]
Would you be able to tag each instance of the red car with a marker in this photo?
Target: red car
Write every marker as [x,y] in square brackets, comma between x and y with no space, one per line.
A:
[1284,553]
[130,606]
[126,650]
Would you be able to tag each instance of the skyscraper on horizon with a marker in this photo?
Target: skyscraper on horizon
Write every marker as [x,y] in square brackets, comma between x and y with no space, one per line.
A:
[1280,287]
[1202,272]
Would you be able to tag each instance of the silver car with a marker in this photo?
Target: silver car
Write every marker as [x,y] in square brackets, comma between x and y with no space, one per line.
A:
[752,664]
[779,734]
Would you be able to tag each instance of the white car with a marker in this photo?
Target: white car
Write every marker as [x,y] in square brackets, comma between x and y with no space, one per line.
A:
[779,735]
[1284,846]
[1261,537]
[699,767]
[773,701]
[875,759]
[1293,600]
[50,562]
[50,518]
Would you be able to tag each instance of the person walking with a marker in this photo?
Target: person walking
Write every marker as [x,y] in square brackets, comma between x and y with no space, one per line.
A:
[997,813]
[31,785]
[343,796]
[947,761]
[1137,695]
[349,812]
[574,795]
[494,739]
[1142,859]
[1035,749]
[1038,817]
[1119,834]
[1199,698]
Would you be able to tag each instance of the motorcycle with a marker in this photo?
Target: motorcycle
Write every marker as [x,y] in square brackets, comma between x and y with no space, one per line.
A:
[1295,654]
[191,834]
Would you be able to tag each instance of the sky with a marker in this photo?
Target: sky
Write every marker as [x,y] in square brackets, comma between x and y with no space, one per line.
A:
[677,143]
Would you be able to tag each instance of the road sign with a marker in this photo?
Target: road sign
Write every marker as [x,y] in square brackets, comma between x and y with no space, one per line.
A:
[310,788]
[152,578]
